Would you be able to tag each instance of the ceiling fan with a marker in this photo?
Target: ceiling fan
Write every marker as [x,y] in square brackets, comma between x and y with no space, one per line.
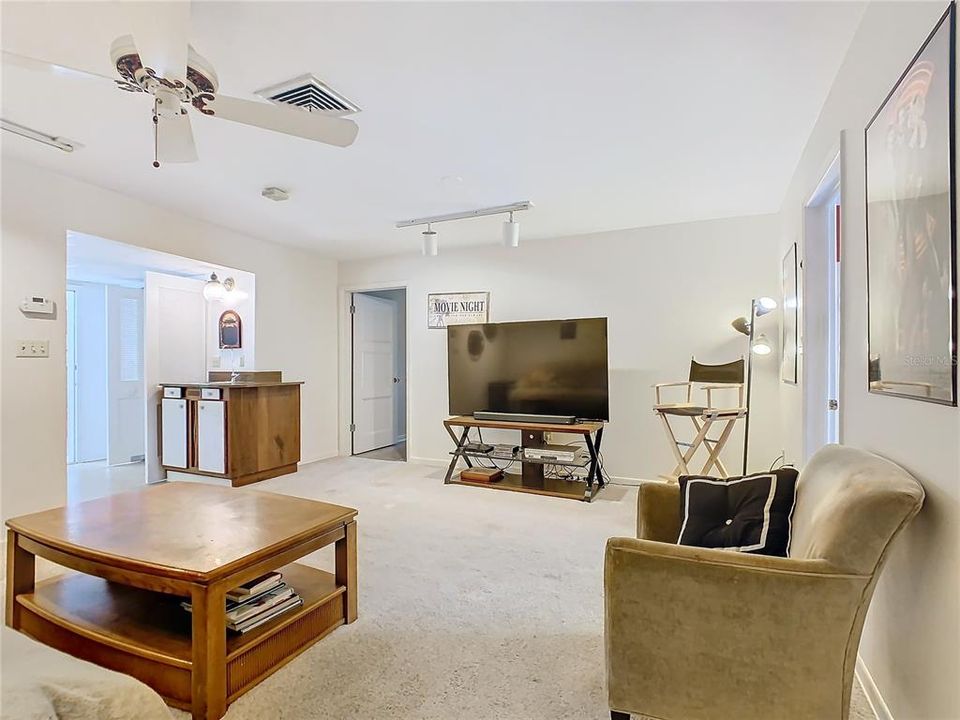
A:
[158,61]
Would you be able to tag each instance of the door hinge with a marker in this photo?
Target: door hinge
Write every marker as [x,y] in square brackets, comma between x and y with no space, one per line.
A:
[353,428]
[353,309]
[833,404]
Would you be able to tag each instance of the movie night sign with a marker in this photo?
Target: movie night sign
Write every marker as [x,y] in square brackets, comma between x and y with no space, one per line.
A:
[445,309]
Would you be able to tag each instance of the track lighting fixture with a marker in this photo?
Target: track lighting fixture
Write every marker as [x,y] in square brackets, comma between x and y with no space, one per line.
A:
[511,232]
[511,229]
[431,245]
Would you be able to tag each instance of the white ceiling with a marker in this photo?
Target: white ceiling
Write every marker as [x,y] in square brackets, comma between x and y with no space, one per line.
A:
[604,115]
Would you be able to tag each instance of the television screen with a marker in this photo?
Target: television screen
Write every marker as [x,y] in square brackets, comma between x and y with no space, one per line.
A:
[549,367]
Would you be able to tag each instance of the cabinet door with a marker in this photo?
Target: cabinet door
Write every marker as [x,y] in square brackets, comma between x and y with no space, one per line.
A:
[211,436]
[173,452]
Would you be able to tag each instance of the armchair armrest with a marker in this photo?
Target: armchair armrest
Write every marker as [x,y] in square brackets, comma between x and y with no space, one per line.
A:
[658,511]
[691,630]
[671,384]
[687,384]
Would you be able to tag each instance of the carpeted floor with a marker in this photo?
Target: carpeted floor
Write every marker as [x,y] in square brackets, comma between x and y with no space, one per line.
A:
[474,604]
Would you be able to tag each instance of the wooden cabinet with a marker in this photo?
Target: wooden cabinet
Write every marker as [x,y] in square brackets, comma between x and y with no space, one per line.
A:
[243,432]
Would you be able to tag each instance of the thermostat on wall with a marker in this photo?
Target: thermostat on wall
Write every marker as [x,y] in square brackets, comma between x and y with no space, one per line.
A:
[37,305]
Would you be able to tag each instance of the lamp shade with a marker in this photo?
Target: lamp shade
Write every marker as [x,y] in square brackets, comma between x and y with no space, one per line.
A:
[431,243]
[213,290]
[765,305]
[762,346]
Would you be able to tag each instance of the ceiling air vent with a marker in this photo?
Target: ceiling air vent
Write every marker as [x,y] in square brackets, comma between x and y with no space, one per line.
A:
[309,93]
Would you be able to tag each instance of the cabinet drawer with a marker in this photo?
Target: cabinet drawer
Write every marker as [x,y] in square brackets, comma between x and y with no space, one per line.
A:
[210,393]
[173,392]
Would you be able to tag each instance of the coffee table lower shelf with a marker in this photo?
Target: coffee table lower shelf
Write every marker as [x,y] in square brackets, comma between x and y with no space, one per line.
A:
[554,487]
[148,635]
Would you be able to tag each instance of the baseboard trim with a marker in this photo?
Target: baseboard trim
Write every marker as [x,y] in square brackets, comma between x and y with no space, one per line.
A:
[870,689]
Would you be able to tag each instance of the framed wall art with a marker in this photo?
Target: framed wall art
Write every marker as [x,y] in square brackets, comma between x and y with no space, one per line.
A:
[911,229]
[444,309]
[789,327]
[230,328]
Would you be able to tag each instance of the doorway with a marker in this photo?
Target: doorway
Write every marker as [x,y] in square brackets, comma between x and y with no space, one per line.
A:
[379,375]
[135,318]
[821,272]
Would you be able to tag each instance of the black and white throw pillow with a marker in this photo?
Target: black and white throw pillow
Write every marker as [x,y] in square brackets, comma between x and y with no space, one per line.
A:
[750,514]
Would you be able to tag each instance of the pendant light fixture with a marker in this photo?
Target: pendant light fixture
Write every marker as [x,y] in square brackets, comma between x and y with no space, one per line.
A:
[431,243]
[511,233]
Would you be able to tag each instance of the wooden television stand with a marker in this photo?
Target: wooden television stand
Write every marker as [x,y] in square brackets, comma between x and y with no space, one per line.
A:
[533,479]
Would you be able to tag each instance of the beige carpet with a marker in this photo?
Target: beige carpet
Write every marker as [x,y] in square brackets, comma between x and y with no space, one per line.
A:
[475,604]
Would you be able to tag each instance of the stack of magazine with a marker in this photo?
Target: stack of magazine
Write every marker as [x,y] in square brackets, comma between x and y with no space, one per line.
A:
[257,602]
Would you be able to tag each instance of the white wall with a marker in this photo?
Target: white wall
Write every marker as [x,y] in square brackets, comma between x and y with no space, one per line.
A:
[670,292]
[911,642]
[91,357]
[295,307]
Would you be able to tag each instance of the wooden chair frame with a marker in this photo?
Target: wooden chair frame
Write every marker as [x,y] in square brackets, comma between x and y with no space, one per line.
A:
[702,423]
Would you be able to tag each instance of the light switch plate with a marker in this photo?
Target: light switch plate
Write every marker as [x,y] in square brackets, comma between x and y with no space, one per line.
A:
[33,348]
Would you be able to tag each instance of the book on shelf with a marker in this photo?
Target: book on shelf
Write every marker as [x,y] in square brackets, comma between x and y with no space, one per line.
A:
[256,602]
[256,586]
[266,616]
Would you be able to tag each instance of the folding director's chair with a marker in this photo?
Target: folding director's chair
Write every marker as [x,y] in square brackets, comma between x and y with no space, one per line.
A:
[728,376]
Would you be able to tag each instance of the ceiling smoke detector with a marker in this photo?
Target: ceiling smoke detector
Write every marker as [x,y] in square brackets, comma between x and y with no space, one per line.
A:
[310,93]
[275,193]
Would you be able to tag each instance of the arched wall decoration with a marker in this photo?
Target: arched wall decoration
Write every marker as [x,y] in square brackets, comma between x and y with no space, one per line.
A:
[230,328]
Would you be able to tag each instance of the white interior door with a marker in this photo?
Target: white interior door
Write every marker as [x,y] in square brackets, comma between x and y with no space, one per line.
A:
[126,394]
[175,348]
[374,383]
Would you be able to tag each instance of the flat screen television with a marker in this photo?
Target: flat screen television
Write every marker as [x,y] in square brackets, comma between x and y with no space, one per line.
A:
[547,367]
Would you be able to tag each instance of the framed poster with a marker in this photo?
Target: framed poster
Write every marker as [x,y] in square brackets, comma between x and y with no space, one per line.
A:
[468,308]
[911,229]
[229,328]
[789,327]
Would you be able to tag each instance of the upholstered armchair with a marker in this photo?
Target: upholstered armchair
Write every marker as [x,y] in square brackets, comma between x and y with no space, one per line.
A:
[706,634]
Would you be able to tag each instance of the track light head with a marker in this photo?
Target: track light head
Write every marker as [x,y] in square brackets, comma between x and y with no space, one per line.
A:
[511,233]
[431,243]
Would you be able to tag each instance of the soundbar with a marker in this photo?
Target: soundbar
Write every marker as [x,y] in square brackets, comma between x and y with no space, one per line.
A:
[524,418]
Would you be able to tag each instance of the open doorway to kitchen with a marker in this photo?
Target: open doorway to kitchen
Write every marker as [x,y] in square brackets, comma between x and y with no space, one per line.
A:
[379,374]
[135,318]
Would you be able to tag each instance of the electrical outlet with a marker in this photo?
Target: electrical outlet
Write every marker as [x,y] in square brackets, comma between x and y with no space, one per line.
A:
[33,348]
[215,361]
[242,361]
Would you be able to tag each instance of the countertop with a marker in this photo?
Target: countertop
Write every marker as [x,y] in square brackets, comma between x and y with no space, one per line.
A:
[238,384]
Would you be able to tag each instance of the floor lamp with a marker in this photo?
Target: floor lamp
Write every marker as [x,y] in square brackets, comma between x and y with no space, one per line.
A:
[759,345]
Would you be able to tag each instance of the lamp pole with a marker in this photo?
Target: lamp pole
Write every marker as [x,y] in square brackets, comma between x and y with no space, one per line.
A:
[746,423]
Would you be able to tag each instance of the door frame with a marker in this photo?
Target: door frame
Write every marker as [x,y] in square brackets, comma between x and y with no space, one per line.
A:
[819,263]
[345,413]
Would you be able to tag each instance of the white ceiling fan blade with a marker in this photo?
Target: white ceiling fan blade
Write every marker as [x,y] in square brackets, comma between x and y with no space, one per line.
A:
[161,32]
[175,139]
[289,120]
[44,66]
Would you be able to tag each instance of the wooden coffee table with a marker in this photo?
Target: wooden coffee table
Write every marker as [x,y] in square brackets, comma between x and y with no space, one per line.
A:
[140,553]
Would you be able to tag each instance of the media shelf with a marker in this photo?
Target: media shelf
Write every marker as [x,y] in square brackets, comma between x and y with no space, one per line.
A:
[519,458]
[533,479]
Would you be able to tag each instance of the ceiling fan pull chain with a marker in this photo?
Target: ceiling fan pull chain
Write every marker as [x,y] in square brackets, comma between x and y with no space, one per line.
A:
[156,130]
